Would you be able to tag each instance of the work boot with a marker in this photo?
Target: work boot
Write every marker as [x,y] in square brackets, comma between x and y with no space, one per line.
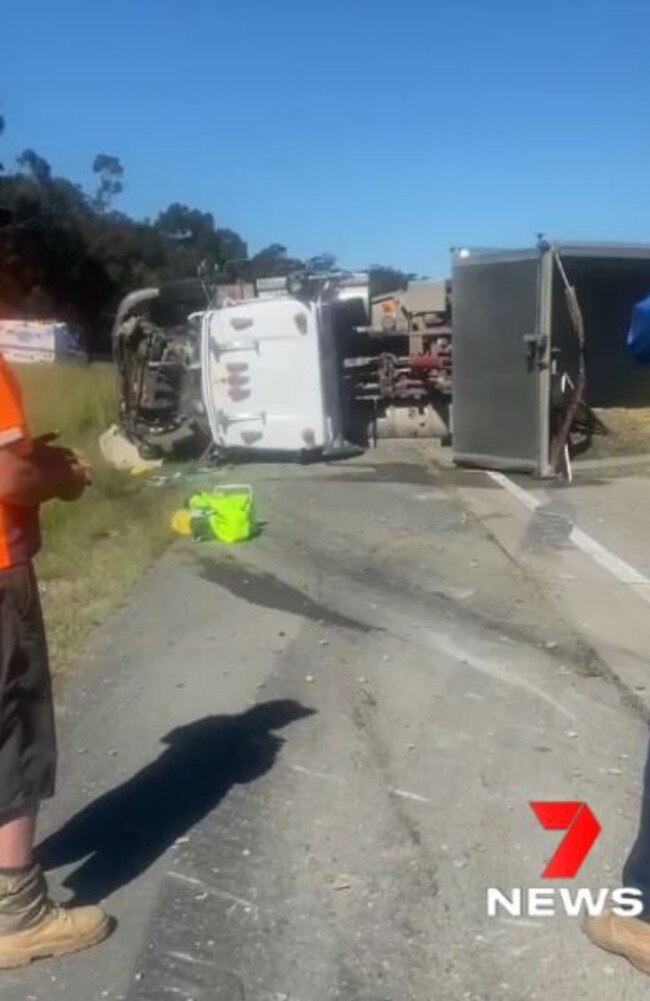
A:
[626,937]
[32,927]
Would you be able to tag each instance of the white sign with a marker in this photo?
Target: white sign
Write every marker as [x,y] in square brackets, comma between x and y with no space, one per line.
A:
[33,341]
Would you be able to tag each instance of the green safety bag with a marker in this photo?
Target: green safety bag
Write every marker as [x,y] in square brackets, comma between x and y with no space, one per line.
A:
[225,513]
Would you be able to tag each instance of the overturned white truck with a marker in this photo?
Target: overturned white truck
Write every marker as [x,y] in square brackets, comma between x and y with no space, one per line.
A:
[292,367]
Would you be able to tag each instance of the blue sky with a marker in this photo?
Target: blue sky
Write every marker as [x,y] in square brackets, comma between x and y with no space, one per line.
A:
[380,132]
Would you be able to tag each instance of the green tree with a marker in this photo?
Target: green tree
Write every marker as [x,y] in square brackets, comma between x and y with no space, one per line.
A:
[274,262]
[34,166]
[185,226]
[110,180]
[193,240]
[321,263]
[385,279]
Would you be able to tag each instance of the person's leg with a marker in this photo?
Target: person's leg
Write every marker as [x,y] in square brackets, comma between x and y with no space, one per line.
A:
[28,745]
[31,926]
[630,937]
[17,841]
[636,871]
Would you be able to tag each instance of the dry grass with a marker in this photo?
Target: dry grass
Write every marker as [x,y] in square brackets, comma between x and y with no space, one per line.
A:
[96,549]
[77,400]
[628,433]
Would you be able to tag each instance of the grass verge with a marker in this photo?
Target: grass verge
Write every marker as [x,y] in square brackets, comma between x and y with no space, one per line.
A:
[95,549]
[628,433]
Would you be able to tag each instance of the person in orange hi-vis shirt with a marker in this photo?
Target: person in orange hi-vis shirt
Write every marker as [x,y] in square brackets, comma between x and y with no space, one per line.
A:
[32,471]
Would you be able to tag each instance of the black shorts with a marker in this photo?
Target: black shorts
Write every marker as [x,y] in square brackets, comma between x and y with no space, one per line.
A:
[27,738]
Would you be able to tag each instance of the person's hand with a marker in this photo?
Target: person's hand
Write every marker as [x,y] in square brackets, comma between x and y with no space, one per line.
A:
[46,439]
[75,481]
[43,451]
[70,467]
[81,462]
[84,471]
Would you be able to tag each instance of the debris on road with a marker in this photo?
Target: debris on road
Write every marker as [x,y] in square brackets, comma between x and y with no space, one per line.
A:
[165,481]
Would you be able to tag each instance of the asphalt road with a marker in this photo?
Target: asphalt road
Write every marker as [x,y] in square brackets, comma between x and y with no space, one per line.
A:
[293,768]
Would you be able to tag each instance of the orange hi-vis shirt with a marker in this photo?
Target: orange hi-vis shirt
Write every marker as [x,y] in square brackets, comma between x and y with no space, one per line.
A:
[19,527]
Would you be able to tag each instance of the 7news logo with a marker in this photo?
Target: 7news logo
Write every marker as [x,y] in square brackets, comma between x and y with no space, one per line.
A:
[582,830]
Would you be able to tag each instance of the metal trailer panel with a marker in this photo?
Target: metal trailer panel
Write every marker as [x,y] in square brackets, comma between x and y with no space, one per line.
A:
[612,251]
[424,297]
[501,326]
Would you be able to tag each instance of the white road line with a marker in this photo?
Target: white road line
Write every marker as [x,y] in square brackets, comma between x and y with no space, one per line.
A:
[624,572]
[513,488]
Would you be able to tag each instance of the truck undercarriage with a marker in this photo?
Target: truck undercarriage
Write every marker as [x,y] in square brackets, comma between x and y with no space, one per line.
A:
[156,345]
[398,370]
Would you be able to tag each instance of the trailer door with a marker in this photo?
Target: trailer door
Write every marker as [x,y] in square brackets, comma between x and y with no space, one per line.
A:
[501,307]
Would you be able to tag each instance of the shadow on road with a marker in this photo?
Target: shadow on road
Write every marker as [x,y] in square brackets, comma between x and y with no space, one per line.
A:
[268,591]
[121,834]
